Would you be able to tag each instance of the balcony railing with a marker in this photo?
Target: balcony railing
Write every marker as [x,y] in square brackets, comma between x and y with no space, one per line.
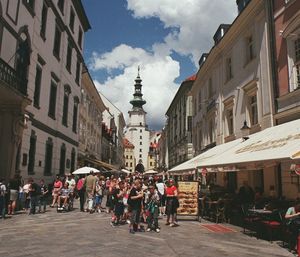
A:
[9,76]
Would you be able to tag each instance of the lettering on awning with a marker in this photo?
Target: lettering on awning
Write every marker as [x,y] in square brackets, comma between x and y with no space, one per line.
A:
[271,144]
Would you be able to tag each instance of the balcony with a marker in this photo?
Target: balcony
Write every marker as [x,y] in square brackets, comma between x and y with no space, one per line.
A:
[9,76]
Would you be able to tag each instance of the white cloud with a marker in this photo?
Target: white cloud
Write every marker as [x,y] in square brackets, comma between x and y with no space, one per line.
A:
[157,72]
[192,23]
[196,20]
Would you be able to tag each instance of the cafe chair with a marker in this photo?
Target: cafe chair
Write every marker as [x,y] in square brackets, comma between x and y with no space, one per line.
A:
[220,211]
[249,222]
[272,224]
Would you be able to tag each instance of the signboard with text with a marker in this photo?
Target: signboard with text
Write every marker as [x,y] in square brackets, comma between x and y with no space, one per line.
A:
[188,198]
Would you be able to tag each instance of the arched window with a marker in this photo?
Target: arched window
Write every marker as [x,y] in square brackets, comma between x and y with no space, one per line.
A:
[22,60]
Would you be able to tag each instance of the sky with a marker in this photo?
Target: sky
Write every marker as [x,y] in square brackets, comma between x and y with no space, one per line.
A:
[164,37]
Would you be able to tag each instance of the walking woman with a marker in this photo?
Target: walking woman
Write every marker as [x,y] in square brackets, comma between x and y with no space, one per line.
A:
[171,202]
[81,192]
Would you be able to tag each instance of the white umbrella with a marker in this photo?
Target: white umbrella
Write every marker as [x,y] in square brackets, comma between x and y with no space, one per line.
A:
[126,171]
[85,170]
[150,172]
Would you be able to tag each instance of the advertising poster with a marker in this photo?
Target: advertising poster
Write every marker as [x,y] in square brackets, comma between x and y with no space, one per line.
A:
[188,198]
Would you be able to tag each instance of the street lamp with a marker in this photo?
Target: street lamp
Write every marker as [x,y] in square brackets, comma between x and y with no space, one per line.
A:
[245,131]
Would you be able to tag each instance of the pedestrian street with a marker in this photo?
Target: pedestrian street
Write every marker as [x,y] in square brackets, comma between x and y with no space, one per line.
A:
[75,233]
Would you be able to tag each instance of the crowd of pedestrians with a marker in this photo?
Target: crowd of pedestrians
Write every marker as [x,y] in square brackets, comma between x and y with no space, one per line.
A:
[132,199]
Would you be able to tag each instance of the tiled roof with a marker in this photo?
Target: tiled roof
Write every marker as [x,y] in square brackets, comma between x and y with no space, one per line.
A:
[191,78]
[127,144]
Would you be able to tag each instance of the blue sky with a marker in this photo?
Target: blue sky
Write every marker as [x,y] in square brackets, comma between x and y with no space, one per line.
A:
[164,37]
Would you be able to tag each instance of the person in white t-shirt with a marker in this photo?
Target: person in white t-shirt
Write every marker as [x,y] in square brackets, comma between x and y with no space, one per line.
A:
[162,198]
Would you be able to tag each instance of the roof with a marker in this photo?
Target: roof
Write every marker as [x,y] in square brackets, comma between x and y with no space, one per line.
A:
[82,15]
[127,143]
[191,78]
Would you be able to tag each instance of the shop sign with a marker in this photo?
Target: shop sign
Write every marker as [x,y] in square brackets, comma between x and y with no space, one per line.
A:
[188,198]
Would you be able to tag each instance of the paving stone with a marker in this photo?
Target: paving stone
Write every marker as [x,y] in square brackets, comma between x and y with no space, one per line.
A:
[90,235]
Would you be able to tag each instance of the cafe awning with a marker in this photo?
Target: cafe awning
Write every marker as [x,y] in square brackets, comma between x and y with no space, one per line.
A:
[277,143]
[102,164]
[204,157]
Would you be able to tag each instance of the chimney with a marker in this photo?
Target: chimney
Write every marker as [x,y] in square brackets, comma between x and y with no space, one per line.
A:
[202,59]
[221,32]
[241,4]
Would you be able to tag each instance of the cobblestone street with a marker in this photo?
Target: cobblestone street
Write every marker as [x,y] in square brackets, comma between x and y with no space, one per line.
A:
[82,234]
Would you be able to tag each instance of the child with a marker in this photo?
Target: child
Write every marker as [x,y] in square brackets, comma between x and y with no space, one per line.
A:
[153,210]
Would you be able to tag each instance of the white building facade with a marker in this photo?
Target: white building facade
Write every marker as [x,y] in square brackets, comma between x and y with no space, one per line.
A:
[137,130]
[233,89]
[54,32]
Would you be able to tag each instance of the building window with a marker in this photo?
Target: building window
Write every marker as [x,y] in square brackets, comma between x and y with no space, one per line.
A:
[126,164]
[210,88]
[75,114]
[22,63]
[52,100]
[67,92]
[141,143]
[141,137]
[140,150]
[72,19]
[37,89]
[131,165]
[57,42]
[229,119]
[199,100]
[44,21]
[249,49]
[253,110]
[48,157]
[140,156]
[211,131]
[78,66]
[141,131]
[69,56]
[131,157]
[200,139]
[73,159]
[32,150]
[80,33]
[297,63]
[61,5]
[229,74]
[151,163]
[195,107]
[62,163]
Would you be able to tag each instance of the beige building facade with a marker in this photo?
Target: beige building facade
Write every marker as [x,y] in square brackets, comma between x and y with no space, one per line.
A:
[42,42]
[90,122]
[129,158]
[233,90]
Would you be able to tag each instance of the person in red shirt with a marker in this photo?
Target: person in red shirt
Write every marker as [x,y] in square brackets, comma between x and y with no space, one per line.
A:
[171,193]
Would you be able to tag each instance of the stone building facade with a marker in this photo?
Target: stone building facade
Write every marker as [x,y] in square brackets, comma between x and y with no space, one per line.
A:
[90,122]
[179,125]
[43,42]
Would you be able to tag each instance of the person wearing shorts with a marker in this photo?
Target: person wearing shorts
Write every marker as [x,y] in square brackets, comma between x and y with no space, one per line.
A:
[135,202]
